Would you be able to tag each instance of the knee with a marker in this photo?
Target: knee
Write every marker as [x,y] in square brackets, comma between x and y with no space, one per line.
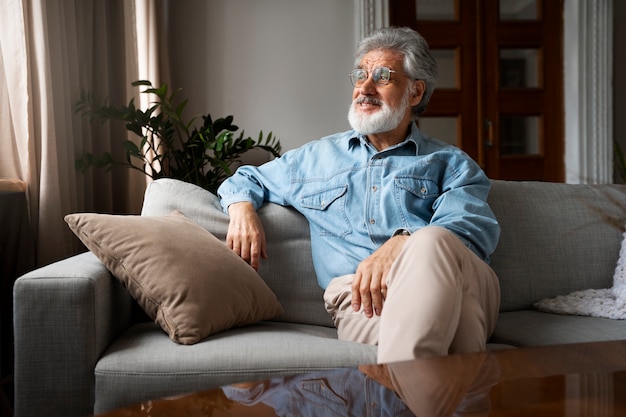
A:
[435,245]
[436,237]
[434,232]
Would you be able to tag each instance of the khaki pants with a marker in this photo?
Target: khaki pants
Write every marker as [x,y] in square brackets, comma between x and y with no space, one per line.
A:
[441,299]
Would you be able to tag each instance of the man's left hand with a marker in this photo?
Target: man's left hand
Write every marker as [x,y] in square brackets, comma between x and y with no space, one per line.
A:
[369,286]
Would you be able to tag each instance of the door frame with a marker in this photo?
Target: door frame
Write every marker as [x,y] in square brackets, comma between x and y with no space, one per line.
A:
[587,64]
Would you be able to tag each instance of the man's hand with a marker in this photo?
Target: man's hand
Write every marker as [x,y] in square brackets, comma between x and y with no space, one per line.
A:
[369,286]
[246,236]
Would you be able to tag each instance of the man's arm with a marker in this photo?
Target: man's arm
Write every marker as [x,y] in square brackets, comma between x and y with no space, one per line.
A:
[246,236]
[245,192]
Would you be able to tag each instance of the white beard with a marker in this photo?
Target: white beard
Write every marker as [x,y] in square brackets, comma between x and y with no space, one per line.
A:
[384,120]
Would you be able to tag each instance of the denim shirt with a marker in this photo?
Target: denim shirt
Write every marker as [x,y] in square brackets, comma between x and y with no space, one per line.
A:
[334,393]
[355,197]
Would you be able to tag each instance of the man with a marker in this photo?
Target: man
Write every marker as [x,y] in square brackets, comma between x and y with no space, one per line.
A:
[400,229]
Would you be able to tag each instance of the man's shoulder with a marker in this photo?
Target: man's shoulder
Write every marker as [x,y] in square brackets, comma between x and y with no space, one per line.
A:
[430,145]
[336,140]
[340,138]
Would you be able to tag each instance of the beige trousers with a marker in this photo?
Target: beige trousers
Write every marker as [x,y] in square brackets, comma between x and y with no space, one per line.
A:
[441,299]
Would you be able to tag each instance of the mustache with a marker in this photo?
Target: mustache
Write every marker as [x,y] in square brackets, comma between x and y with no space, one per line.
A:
[368,100]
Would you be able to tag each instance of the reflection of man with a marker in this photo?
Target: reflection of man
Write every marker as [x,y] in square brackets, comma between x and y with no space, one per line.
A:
[338,392]
[455,385]
[400,229]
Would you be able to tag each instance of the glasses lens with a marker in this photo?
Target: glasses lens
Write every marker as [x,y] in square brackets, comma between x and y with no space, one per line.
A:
[358,77]
[381,75]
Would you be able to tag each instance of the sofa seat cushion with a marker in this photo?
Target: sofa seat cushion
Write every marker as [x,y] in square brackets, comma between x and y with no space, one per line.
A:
[144,364]
[535,328]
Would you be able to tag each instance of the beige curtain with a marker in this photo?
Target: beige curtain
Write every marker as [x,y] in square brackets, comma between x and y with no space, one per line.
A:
[50,51]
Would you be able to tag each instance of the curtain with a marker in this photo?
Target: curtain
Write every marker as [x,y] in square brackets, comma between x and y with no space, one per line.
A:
[50,52]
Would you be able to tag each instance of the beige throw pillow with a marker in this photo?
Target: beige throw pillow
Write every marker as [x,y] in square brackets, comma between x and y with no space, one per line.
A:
[184,278]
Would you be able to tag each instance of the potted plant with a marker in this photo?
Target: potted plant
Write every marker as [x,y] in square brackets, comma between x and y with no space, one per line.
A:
[170,146]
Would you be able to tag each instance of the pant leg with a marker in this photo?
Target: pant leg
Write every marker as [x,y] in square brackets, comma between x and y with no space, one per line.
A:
[441,299]
[351,325]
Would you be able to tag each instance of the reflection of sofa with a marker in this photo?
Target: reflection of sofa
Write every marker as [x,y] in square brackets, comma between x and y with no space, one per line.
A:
[79,346]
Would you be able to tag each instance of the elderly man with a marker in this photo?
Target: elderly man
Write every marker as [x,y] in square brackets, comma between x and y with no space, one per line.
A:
[401,232]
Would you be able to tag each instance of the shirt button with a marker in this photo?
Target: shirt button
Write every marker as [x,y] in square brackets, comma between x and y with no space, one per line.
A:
[374,188]
[372,221]
[423,190]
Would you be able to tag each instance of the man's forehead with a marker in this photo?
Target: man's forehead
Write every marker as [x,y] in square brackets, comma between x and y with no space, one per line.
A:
[381,57]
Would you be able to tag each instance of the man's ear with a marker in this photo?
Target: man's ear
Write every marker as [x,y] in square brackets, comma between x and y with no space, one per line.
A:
[417,92]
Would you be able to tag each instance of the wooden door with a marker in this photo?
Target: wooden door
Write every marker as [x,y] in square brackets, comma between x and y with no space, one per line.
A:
[500,90]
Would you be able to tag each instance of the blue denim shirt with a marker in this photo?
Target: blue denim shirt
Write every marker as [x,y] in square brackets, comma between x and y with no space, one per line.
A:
[334,393]
[355,197]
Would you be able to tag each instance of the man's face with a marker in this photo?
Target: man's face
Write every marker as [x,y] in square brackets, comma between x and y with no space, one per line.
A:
[380,108]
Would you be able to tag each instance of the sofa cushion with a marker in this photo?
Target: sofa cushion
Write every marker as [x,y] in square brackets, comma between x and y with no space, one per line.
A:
[555,239]
[535,328]
[143,357]
[184,278]
[289,269]
[607,303]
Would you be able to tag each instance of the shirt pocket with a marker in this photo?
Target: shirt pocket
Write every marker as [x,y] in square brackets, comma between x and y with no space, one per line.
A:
[326,211]
[415,197]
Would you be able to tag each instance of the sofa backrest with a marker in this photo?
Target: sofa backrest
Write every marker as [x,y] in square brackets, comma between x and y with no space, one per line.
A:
[556,238]
[288,271]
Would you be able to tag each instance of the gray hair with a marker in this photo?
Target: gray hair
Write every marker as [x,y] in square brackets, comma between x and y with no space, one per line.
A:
[418,62]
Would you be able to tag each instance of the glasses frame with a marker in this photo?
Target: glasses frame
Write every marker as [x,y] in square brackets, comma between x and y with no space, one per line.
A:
[377,80]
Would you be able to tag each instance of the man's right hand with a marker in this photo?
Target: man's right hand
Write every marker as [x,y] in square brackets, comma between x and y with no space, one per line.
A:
[246,236]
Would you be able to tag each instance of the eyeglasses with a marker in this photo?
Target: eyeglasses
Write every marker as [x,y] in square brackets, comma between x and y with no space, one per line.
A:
[380,76]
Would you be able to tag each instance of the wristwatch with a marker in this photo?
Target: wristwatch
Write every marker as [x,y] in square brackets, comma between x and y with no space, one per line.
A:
[401,232]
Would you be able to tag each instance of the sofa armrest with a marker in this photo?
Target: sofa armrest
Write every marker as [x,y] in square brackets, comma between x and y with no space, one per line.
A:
[65,315]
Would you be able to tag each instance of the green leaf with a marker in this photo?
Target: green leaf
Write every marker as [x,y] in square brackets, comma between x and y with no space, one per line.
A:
[180,108]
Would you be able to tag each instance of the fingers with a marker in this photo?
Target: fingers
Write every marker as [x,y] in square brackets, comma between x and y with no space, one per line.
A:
[369,292]
[369,287]
[246,236]
[256,250]
[356,292]
[250,247]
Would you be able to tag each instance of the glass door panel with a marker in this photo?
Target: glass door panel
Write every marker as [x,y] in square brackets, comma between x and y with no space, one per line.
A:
[519,68]
[518,9]
[519,135]
[436,10]
[447,67]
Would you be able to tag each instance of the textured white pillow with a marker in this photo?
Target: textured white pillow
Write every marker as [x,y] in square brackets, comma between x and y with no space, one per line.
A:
[607,303]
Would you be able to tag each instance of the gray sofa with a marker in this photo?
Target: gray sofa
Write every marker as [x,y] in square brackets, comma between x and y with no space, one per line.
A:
[82,347]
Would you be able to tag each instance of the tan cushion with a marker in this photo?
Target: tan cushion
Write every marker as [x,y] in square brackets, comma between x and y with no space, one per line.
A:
[185,279]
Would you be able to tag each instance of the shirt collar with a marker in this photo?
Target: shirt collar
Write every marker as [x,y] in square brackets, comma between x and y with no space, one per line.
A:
[414,139]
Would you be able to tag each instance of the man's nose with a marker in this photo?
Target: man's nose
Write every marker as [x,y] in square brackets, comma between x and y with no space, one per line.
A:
[368,87]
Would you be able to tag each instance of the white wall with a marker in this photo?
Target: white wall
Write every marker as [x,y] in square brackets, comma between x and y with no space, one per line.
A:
[276,65]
